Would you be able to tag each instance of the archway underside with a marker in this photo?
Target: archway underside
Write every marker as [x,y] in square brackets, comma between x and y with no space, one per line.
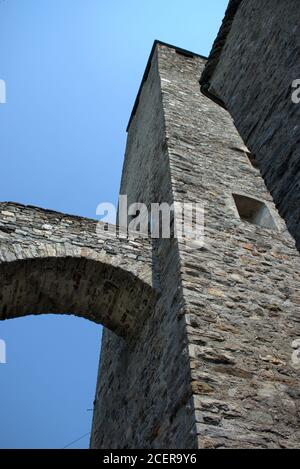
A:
[55,263]
[98,292]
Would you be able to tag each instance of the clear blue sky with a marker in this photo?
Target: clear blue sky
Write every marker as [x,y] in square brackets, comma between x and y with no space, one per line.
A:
[72,69]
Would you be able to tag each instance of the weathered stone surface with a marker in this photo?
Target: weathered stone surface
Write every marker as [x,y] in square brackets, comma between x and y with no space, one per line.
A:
[251,273]
[149,383]
[56,263]
[253,64]
[213,365]
[207,360]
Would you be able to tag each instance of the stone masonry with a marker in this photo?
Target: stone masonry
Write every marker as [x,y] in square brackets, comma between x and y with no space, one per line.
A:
[212,367]
[51,262]
[251,69]
[199,341]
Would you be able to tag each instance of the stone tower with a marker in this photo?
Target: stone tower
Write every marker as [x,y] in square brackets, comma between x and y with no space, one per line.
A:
[211,366]
[200,345]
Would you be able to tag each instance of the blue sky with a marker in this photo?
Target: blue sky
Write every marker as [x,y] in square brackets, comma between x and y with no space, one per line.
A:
[72,69]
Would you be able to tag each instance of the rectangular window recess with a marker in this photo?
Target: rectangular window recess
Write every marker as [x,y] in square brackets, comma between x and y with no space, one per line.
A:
[254,211]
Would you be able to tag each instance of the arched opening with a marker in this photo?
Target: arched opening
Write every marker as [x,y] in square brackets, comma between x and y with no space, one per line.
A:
[94,290]
[100,292]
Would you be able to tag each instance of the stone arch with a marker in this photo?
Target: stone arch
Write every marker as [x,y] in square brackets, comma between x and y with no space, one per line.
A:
[83,287]
[56,263]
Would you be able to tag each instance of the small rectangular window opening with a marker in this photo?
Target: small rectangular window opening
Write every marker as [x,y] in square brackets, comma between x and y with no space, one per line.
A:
[254,211]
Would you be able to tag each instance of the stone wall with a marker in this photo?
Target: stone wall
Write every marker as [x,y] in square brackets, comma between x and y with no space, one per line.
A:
[51,262]
[241,290]
[253,64]
[143,397]
[212,365]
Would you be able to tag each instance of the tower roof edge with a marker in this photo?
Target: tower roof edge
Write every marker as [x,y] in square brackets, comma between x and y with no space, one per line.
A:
[154,46]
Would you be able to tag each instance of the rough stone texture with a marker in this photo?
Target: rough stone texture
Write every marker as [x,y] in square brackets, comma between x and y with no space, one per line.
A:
[212,367]
[252,73]
[206,361]
[242,290]
[149,381]
[56,263]
[218,45]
